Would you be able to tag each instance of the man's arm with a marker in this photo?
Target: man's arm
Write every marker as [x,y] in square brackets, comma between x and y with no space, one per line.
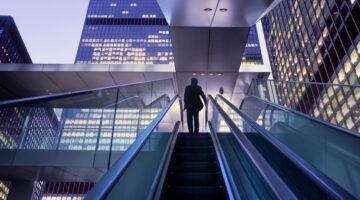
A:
[186,96]
[203,95]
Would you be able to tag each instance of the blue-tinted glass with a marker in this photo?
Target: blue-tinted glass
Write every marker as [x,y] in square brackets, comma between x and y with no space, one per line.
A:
[125,32]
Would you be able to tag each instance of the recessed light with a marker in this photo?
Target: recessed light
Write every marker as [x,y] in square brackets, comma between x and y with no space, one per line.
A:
[194,74]
[207,9]
[223,9]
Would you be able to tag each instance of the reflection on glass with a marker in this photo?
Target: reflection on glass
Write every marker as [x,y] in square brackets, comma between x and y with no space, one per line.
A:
[332,151]
[90,121]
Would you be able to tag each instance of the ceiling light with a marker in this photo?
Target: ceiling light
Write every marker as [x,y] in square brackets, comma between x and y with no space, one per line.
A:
[194,74]
[207,9]
[223,9]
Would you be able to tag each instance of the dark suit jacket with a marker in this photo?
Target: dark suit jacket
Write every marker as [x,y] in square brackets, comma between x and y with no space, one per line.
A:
[192,98]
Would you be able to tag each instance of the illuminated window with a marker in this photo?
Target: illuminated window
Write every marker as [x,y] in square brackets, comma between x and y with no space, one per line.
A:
[354,56]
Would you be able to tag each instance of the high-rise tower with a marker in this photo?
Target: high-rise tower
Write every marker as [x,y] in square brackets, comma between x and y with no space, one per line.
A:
[317,42]
[252,52]
[124,32]
[12,47]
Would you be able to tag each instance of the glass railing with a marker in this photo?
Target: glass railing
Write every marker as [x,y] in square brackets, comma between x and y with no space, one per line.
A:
[250,176]
[334,103]
[138,172]
[103,119]
[331,149]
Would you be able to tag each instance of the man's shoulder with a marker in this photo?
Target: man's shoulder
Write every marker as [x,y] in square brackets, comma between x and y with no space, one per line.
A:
[193,87]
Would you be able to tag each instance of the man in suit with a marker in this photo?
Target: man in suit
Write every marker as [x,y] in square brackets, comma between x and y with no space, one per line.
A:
[193,104]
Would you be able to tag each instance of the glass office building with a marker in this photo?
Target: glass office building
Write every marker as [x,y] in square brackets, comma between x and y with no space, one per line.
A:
[12,47]
[12,50]
[252,52]
[317,42]
[124,32]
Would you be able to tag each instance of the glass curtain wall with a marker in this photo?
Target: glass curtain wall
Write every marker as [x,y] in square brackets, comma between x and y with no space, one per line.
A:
[317,42]
[105,120]
[334,103]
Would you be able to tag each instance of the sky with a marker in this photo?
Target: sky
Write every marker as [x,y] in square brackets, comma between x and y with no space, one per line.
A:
[50,29]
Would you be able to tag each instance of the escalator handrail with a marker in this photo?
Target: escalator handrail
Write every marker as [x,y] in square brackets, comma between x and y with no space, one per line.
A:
[228,180]
[159,99]
[313,173]
[37,99]
[325,123]
[106,183]
[165,165]
[279,188]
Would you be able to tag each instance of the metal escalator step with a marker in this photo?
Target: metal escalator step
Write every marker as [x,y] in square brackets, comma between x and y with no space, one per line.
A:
[194,179]
[194,167]
[180,157]
[195,193]
[194,149]
[193,143]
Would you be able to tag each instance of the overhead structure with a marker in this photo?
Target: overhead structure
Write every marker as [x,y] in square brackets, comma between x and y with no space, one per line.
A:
[209,38]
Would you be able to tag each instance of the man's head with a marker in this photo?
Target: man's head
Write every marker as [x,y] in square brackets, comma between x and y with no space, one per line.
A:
[194,81]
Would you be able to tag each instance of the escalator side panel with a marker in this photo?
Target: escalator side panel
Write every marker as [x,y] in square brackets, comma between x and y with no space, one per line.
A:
[301,185]
[249,182]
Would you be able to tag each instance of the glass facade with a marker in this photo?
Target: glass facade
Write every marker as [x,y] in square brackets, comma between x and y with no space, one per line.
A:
[317,42]
[252,52]
[12,47]
[4,189]
[125,32]
[65,190]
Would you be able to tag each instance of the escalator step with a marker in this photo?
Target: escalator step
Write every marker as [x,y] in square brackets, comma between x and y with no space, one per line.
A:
[179,157]
[194,149]
[194,179]
[194,143]
[194,167]
[194,172]
[195,193]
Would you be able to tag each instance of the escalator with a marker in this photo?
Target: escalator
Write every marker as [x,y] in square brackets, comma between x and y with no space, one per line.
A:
[244,163]
[316,160]
[194,172]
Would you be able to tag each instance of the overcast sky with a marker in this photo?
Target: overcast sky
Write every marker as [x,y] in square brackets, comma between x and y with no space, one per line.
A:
[50,29]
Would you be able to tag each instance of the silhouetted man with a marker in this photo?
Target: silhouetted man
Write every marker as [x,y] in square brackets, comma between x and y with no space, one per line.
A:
[193,104]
